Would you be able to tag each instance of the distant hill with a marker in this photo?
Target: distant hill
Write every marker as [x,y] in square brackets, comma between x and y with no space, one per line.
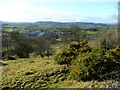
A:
[54,23]
[44,26]
[70,23]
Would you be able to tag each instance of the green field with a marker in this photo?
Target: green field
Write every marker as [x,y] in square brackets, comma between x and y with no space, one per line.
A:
[41,73]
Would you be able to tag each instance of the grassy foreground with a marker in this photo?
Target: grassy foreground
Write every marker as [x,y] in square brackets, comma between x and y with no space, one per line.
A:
[41,73]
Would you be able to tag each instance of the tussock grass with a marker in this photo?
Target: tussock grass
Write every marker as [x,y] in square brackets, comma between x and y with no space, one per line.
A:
[24,73]
[40,73]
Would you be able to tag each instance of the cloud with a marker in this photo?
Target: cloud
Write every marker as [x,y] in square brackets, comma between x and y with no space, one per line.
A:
[18,11]
[15,10]
[22,11]
[72,0]
[100,20]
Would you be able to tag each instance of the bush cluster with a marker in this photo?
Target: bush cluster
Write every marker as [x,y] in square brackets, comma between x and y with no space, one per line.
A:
[72,51]
[90,65]
[87,63]
[114,54]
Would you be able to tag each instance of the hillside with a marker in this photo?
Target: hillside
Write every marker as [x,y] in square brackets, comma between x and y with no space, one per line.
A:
[42,73]
[47,55]
[54,23]
[44,26]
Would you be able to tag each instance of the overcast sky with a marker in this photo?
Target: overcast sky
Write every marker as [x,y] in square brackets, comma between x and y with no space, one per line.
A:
[58,10]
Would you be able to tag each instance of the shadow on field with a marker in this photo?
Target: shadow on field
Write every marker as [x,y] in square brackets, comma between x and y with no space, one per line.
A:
[3,64]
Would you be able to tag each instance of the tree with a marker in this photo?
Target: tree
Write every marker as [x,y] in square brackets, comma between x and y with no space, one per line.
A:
[40,44]
[15,43]
[74,33]
[6,44]
[21,45]
[108,39]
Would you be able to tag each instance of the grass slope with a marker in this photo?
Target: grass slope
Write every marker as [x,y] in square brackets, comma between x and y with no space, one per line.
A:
[40,73]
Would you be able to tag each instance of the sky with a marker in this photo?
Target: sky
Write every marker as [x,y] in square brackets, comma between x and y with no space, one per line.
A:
[98,11]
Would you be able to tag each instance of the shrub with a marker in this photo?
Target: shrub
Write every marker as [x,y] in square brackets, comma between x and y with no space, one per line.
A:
[72,51]
[65,57]
[89,65]
[107,38]
[114,54]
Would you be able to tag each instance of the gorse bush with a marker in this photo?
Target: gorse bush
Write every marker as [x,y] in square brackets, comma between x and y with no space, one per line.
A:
[114,54]
[65,57]
[79,47]
[87,63]
[72,51]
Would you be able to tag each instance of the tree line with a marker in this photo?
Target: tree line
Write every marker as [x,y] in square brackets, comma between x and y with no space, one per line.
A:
[15,43]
